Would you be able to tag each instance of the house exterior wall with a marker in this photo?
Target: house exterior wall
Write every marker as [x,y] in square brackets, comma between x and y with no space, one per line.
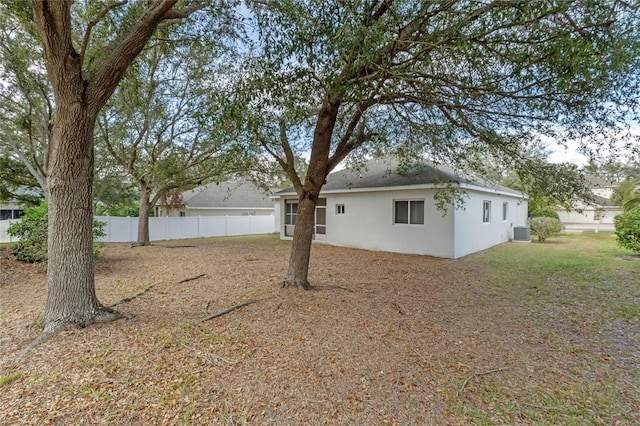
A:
[368,223]
[228,211]
[473,234]
[590,218]
[185,211]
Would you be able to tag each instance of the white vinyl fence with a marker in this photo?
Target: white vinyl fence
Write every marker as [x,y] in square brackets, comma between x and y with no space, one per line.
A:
[125,229]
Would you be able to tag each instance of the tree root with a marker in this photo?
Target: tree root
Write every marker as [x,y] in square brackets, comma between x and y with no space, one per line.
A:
[130,298]
[42,337]
[306,286]
[105,314]
[231,309]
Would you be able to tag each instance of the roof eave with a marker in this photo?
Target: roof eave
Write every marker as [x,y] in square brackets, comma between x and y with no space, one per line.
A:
[410,187]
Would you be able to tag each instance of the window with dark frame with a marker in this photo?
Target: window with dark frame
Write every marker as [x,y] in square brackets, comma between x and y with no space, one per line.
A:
[410,212]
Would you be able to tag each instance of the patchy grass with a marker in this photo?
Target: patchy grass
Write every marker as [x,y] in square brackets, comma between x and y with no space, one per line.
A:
[580,297]
[5,380]
[540,334]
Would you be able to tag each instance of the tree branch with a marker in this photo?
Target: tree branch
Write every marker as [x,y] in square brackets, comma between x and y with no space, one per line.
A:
[288,152]
[115,65]
[87,34]
[185,12]
[344,147]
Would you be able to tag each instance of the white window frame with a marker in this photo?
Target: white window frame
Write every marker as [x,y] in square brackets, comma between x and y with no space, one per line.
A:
[290,218]
[505,211]
[409,204]
[340,209]
[486,211]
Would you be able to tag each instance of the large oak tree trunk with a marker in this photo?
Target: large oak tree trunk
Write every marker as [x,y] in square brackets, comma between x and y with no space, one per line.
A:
[143,216]
[71,297]
[79,96]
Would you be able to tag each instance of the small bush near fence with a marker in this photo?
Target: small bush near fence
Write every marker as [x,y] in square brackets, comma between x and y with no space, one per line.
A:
[544,227]
[628,230]
[32,234]
[544,212]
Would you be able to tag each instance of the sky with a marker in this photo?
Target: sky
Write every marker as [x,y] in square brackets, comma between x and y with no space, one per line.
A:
[571,154]
[567,154]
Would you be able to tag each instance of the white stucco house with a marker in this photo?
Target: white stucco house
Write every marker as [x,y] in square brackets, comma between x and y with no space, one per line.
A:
[237,197]
[387,211]
[594,216]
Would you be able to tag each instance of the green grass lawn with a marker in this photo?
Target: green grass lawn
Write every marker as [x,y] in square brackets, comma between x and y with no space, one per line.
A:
[577,297]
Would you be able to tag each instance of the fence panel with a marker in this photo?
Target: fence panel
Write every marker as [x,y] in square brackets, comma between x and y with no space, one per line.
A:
[125,229]
[238,225]
[119,229]
[181,227]
[263,224]
[213,226]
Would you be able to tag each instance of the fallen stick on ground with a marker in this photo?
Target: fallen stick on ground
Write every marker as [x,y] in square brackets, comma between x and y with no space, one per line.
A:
[191,279]
[130,298]
[231,309]
[399,308]
[476,375]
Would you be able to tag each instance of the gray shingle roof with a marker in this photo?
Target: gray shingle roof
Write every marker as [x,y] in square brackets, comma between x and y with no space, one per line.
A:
[236,193]
[598,182]
[383,173]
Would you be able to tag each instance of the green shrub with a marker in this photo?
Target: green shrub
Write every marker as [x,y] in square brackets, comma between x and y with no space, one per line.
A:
[32,234]
[628,230]
[544,227]
[545,212]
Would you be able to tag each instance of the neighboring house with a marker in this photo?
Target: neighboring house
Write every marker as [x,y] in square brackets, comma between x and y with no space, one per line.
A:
[597,216]
[386,211]
[239,197]
[11,211]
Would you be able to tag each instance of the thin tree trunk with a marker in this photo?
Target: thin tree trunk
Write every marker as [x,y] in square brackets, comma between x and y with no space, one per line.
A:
[71,297]
[298,271]
[143,216]
[301,247]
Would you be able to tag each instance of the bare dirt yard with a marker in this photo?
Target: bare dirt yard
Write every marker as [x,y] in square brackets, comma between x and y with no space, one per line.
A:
[381,339]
